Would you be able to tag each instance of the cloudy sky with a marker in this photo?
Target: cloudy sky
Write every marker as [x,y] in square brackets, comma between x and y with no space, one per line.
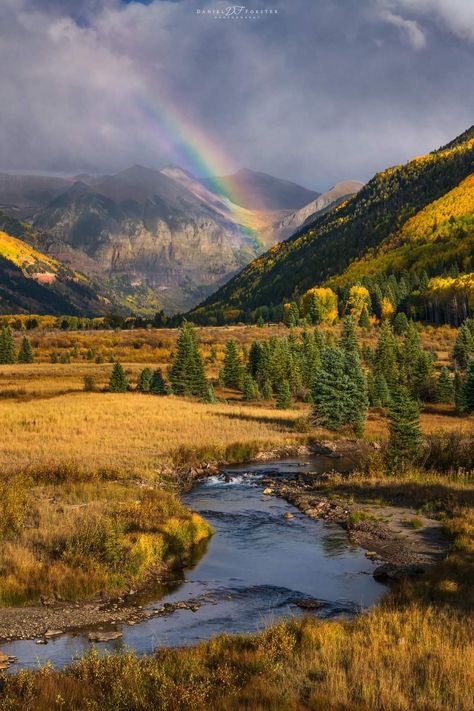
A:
[318,91]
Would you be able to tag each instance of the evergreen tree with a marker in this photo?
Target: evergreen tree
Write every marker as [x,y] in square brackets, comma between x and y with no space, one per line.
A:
[356,396]
[267,390]
[422,377]
[385,358]
[256,361]
[329,391]
[232,372]
[400,323]
[7,346]
[25,354]
[364,320]
[379,394]
[187,374]
[458,391]
[468,389]
[157,384]
[260,322]
[118,382]
[210,396]
[144,381]
[284,399]
[445,387]
[250,388]
[405,435]
[464,346]
[311,358]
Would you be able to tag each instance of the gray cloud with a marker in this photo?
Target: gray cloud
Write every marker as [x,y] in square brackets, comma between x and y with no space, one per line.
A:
[324,90]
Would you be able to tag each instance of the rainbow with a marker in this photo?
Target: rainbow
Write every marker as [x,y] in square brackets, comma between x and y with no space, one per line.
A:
[197,154]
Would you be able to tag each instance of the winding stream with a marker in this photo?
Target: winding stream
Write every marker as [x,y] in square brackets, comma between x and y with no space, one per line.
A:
[250,573]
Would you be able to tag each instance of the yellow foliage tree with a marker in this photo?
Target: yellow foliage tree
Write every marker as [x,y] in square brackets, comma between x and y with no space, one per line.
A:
[320,304]
[387,308]
[357,299]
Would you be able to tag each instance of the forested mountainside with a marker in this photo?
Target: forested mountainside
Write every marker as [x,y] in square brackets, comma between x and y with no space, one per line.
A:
[412,222]
[31,281]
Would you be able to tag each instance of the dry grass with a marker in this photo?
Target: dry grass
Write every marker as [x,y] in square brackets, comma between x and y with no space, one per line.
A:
[131,433]
[73,539]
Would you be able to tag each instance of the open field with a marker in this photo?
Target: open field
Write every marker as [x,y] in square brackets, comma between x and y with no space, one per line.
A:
[47,420]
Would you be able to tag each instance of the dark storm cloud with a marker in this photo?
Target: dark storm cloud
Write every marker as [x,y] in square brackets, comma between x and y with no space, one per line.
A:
[321,91]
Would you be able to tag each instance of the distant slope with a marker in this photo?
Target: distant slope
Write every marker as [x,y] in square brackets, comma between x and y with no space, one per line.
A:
[335,240]
[24,194]
[328,200]
[259,191]
[30,281]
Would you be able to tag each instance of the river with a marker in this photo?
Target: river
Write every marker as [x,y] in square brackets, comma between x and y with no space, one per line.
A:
[251,573]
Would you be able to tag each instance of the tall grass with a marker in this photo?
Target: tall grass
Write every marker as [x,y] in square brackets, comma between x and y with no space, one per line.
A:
[73,540]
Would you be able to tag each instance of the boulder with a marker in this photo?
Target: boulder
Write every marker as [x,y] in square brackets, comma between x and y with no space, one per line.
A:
[52,633]
[100,636]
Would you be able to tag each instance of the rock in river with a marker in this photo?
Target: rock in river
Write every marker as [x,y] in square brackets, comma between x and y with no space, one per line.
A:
[104,636]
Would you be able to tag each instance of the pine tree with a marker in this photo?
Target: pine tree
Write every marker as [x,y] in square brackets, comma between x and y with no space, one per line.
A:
[267,390]
[260,322]
[7,346]
[364,320]
[400,323]
[232,372]
[256,361]
[210,396]
[468,389]
[380,394]
[329,391]
[422,377]
[445,387]
[284,399]
[385,357]
[25,354]
[157,383]
[405,435]
[118,382]
[144,381]
[458,390]
[464,346]
[356,396]
[187,374]
[250,388]
[311,358]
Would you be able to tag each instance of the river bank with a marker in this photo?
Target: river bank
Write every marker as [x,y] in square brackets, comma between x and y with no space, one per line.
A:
[382,530]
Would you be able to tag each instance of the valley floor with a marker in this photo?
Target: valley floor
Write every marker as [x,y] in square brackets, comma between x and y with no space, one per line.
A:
[79,492]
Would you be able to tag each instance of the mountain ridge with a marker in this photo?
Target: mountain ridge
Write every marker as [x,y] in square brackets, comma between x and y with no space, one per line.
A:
[327,246]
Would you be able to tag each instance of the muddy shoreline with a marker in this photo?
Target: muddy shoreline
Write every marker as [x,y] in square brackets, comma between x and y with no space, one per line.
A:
[382,540]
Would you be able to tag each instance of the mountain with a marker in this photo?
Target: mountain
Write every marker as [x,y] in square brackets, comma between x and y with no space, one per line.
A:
[354,239]
[153,239]
[32,282]
[145,230]
[22,195]
[326,201]
[259,191]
